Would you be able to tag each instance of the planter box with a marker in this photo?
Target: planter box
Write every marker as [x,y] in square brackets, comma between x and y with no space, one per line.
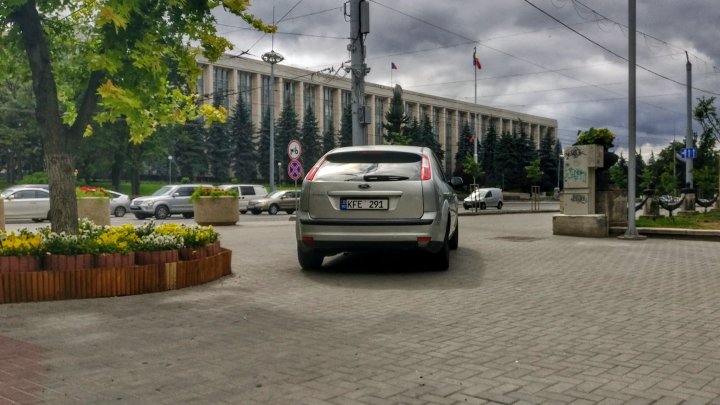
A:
[32,286]
[156,257]
[68,262]
[115,260]
[96,209]
[2,215]
[19,263]
[217,210]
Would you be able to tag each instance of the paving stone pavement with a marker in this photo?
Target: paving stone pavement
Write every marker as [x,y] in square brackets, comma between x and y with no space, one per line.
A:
[521,317]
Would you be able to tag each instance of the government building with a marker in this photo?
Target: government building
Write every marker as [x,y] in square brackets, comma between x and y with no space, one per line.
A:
[231,77]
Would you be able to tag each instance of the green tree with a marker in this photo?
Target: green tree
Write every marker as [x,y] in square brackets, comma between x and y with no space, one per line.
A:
[242,132]
[346,126]
[465,147]
[287,129]
[429,139]
[264,146]
[489,146]
[549,162]
[396,120]
[472,168]
[533,171]
[129,56]
[706,114]
[21,149]
[219,151]
[619,173]
[328,141]
[309,135]
[190,158]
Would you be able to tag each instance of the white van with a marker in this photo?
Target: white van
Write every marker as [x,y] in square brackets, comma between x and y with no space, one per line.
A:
[483,198]
[246,192]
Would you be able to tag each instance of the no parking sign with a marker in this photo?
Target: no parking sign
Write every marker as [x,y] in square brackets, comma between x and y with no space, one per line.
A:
[295,170]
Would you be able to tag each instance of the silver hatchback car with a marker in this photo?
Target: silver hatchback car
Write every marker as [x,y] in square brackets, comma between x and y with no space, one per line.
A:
[376,198]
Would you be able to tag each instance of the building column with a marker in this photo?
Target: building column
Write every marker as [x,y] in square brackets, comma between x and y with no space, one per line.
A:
[208,71]
[300,100]
[337,109]
[256,99]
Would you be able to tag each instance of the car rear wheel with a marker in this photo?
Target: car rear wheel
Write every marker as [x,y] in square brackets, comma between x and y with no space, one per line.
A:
[37,219]
[119,212]
[441,260]
[499,205]
[482,206]
[309,259]
[162,212]
[273,209]
[256,212]
[289,211]
[243,212]
[455,240]
[188,215]
[141,216]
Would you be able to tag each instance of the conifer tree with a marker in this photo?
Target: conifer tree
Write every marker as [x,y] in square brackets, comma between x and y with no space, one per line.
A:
[219,150]
[428,138]
[264,146]
[285,131]
[464,149]
[489,146]
[396,120]
[549,161]
[328,143]
[242,132]
[346,126]
[309,135]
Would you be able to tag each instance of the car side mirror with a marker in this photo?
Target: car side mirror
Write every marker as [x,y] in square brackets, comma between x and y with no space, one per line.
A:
[456,182]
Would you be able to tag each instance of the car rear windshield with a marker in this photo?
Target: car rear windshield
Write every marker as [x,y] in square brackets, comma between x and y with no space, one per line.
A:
[370,166]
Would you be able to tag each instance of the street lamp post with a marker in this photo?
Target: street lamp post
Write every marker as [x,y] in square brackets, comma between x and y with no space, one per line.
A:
[272,58]
[170,158]
[279,171]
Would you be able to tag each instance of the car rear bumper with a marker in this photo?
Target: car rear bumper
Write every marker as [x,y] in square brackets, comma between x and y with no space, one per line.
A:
[339,235]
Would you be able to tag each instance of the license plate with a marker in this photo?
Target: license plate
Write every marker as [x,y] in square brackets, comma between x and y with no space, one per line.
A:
[363,204]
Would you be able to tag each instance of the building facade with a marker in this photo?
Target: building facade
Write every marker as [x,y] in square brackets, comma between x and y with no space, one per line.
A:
[231,77]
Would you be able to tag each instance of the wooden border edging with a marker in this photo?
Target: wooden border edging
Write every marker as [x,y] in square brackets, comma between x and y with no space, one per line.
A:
[111,282]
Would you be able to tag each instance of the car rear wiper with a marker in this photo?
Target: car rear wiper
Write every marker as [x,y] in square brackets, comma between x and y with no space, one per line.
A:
[377,177]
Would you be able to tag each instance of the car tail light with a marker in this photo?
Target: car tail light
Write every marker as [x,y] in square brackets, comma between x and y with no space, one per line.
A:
[308,241]
[425,172]
[311,174]
[423,241]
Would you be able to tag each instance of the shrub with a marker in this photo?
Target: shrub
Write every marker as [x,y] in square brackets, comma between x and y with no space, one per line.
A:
[213,192]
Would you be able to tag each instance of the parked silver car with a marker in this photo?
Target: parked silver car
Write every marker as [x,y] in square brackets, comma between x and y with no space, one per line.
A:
[166,201]
[281,200]
[26,203]
[119,203]
[377,197]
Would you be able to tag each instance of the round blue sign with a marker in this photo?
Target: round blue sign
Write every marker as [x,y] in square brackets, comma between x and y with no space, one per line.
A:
[295,170]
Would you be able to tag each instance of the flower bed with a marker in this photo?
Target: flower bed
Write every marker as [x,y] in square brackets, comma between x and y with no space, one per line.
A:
[103,261]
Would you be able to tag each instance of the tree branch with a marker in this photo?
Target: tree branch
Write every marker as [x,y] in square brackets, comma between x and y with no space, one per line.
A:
[87,104]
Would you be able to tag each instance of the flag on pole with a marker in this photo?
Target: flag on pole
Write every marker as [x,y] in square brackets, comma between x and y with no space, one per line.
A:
[393,66]
[476,60]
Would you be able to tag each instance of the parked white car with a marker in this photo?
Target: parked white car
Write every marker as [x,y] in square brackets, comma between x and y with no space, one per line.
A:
[26,203]
[119,203]
[246,192]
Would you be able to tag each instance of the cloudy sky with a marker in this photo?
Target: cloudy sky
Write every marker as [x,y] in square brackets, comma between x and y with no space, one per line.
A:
[530,62]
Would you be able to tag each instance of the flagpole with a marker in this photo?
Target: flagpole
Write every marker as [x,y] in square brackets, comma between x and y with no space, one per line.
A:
[475,151]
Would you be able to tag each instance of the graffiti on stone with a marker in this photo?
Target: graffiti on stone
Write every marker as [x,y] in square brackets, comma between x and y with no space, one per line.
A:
[573,174]
[574,153]
[579,198]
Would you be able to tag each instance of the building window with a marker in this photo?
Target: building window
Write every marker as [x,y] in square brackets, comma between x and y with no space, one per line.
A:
[289,93]
[221,86]
[436,121]
[245,89]
[327,107]
[379,112]
[448,142]
[409,111]
[265,94]
[310,97]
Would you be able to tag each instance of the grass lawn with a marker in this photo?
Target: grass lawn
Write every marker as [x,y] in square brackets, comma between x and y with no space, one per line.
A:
[711,220]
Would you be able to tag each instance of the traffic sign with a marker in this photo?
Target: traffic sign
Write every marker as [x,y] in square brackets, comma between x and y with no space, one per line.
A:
[294,149]
[295,170]
[688,153]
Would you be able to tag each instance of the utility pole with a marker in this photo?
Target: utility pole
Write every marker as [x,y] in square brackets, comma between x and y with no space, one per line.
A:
[359,27]
[688,134]
[631,232]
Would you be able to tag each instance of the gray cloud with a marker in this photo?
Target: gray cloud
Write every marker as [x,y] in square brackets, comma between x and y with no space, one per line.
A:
[530,62]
